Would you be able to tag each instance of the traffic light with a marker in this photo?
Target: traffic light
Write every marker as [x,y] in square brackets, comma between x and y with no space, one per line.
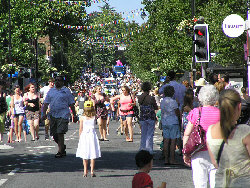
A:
[201,41]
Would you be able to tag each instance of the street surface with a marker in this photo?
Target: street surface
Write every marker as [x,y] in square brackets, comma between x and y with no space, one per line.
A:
[33,165]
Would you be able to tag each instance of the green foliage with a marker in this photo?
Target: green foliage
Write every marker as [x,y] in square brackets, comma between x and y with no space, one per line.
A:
[160,44]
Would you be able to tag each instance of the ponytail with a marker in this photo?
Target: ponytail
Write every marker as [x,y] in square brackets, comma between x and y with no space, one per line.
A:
[229,100]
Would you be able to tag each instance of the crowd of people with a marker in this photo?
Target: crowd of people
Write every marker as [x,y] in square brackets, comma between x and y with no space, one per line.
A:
[177,107]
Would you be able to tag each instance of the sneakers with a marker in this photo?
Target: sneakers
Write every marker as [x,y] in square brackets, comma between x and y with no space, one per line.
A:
[46,137]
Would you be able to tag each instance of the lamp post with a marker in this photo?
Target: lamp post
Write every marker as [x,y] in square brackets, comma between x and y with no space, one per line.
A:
[10,44]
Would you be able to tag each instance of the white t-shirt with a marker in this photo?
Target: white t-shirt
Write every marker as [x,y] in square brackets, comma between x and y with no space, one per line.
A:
[44,91]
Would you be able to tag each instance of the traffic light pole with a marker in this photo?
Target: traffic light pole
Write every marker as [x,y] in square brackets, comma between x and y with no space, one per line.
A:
[10,45]
[193,45]
[248,46]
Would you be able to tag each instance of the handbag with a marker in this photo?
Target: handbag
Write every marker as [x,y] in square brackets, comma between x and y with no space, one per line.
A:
[196,140]
[135,109]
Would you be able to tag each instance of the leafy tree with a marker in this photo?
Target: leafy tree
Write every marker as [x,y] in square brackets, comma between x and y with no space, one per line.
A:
[161,46]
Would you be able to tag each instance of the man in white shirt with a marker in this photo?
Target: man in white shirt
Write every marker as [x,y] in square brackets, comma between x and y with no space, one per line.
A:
[59,99]
[44,92]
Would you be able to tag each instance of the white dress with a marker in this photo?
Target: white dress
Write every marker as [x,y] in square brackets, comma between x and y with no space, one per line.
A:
[88,146]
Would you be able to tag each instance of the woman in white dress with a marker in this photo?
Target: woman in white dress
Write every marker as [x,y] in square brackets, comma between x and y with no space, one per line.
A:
[234,163]
[88,146]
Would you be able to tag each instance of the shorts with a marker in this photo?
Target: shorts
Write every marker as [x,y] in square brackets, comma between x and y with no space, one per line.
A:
[171,131]
[17,115]
[32,115]
[58,125]
[124,117]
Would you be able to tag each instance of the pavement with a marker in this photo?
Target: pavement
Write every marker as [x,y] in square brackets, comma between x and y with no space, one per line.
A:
[33,165]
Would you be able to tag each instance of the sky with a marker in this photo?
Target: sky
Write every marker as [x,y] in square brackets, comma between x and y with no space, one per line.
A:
[121,6]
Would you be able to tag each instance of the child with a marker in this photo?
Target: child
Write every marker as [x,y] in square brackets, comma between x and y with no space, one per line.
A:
[88,146]
[144,161]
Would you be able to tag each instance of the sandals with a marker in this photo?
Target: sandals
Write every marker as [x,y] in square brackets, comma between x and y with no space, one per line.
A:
[84,175]
[93,175]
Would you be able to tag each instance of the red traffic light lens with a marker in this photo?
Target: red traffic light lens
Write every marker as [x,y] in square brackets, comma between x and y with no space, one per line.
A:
[200,33]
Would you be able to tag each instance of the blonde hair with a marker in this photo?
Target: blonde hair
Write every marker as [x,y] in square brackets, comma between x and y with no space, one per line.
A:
[89,111]
[126,88]
[228,102]
[220,86]
[185,83]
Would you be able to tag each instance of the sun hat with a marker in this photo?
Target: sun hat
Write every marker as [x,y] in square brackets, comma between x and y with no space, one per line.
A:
[88,104]
[200,82]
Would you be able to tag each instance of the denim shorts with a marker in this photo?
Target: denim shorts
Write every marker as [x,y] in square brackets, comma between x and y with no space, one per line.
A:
[171,131]
[124,117]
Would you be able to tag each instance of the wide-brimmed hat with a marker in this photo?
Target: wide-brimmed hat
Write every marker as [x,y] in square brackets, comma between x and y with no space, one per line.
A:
[200,82]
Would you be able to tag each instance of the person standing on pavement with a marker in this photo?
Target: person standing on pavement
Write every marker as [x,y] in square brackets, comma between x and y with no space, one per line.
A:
[170,118]
[147,118]
[44,92]
[178,94]
[32,103]
[60,99]
[88,146]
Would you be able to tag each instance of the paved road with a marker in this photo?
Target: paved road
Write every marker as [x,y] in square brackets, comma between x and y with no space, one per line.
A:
[32,164]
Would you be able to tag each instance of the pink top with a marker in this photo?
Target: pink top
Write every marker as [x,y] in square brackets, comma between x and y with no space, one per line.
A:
[124,101]
[209,116]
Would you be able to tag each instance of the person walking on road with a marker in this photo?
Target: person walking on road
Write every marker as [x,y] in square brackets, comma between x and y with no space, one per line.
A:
[101,111]
[59,99]
[44,92]
[3,109]
[127,101]
[17,111]
[80,101]
[88,146]
[147,118]
[32,103]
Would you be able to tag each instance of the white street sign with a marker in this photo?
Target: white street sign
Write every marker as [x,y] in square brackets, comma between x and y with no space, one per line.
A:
[233,25]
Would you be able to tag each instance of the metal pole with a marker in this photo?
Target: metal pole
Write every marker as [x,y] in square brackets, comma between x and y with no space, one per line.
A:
[10,44]
[36,64]
[248,46]
[193,45]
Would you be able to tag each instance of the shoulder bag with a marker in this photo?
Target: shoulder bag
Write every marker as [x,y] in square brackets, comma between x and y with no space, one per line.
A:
[221,148]
[135,109]
[196,140]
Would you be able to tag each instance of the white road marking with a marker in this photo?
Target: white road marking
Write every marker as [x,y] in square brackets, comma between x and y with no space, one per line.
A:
[40,147]
[2,181]
[6,147]
[13,172]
